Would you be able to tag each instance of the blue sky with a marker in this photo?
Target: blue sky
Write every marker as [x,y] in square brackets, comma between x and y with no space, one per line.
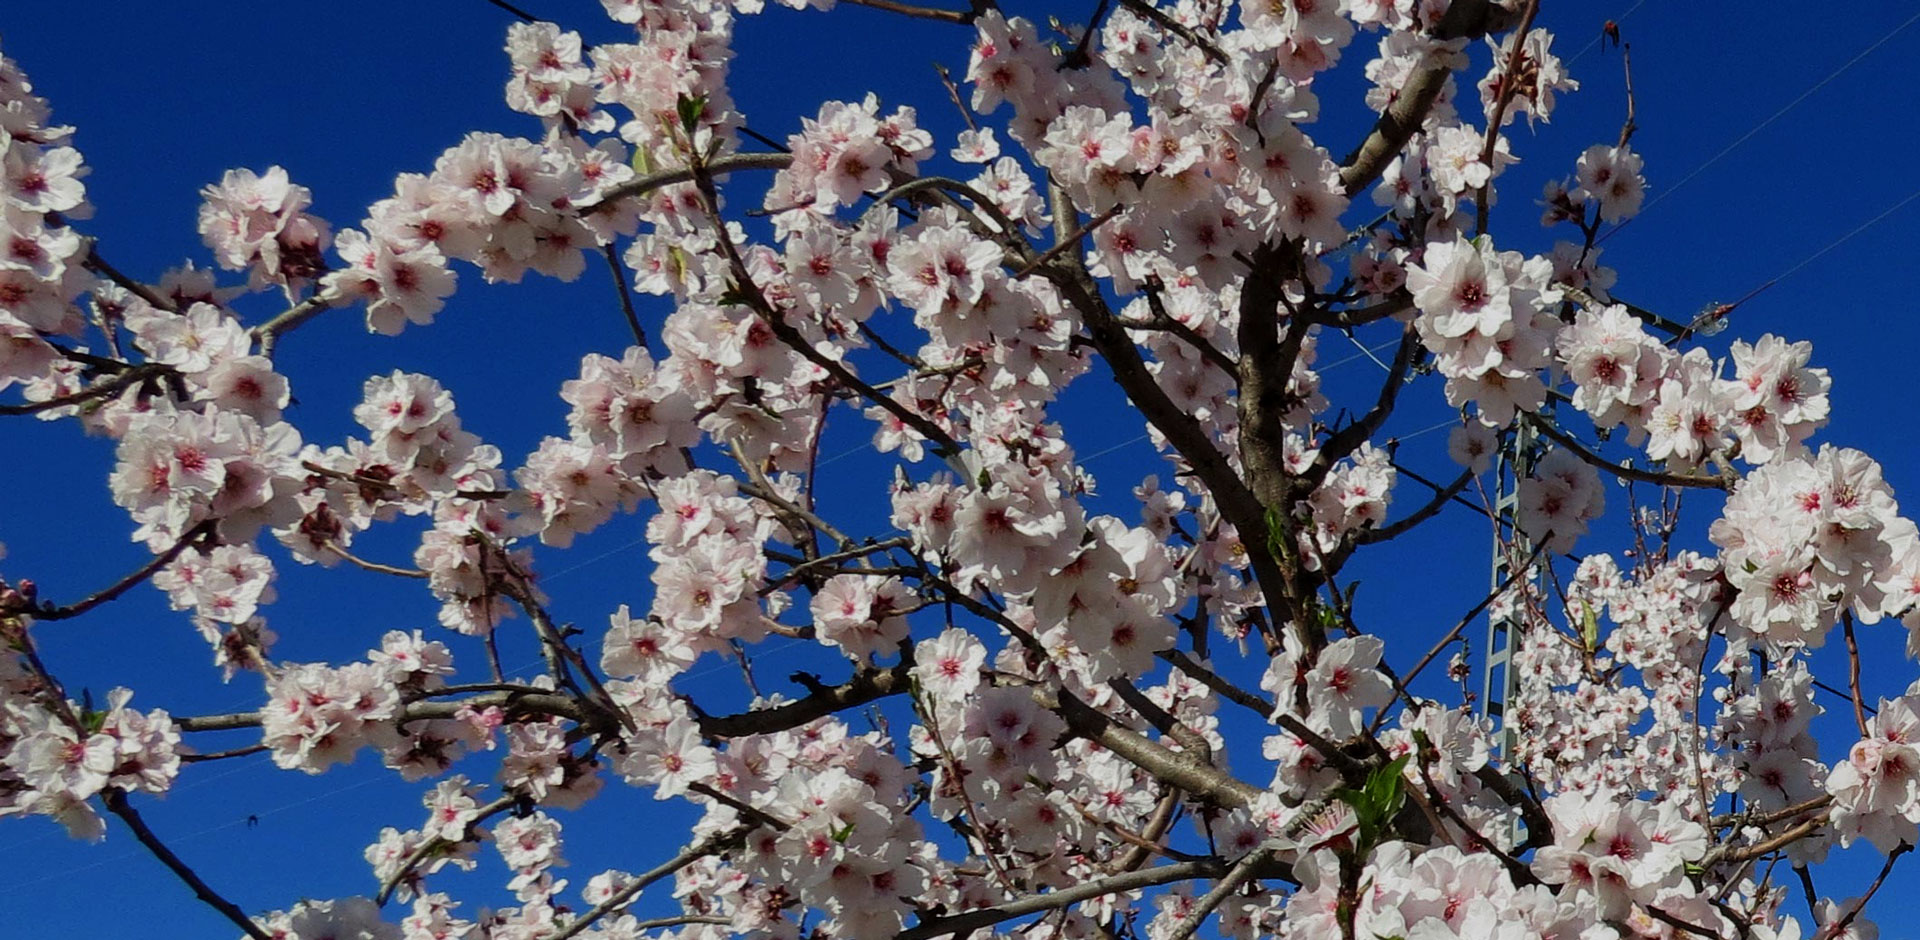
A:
[347,94]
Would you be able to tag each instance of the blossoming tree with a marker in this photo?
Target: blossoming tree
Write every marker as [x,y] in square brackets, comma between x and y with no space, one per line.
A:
[1028,731]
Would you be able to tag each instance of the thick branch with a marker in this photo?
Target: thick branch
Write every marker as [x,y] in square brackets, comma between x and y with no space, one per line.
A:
[1184,770]
[866,686]
[548,704]
[1397,125]
[266,334]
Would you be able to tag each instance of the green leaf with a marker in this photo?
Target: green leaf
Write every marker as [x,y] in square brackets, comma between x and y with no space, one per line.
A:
[1276,524]
[690,108]
[840,835]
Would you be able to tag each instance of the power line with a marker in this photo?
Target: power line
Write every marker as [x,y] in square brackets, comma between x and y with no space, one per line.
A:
[1595,41]
[1757,128]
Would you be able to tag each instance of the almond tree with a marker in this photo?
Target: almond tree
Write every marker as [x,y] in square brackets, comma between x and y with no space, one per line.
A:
[1043,683]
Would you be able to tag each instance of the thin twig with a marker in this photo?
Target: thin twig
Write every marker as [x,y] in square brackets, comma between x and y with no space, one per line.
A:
[373,566]
[1171,25]
[222,755]
[1471,615]
[718,165]
[1625,471]
[99,266]
[1071,241]
[719,842]
[626,296]
[1509,88]
[968,921]
[144,372]
[1853,674]
[923,13]
[193,536]
[1839,928]
[1240,874]
[435,844]
[116,800]
[523,15]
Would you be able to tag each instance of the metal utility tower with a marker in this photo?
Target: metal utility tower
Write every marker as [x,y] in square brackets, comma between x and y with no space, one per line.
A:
[1498,680]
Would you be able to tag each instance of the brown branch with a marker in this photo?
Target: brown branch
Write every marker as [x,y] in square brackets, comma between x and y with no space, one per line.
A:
[1471,615]
[867,685]
[1072,240]
[965,18]
[718,842]
[1397,125]
[99,265]
[222,755]
[1624,471]
[1839,927]
[1768,819]
[626,295]
[373,566]
[1149,841]
[968,921]
[116,800]
[544,704]
[718,165]
[268,333]
[1394,305]
[1539,824]
[145,372]
[1508,88]
[1853,673]
[1626,67]
[1237,503]
[756,300]
[1171,25]
[1081,56]
[522,15]
[1348,439]
[1242,872]
[1181,769]
[1399,527]
[805,568]
[1252,701]
[1768,846]
[428,847]
[1161,719]
[193,536]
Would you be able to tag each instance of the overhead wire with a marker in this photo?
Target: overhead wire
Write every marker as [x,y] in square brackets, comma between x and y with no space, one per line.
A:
[1764,124]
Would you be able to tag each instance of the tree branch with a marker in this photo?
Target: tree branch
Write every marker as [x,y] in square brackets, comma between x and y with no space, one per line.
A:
[719,842]
[116,800]
[1397,125]
[1625,471]
[192,536]
[969,921]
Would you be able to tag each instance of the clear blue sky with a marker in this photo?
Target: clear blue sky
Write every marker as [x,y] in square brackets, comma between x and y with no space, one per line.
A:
[167,96]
